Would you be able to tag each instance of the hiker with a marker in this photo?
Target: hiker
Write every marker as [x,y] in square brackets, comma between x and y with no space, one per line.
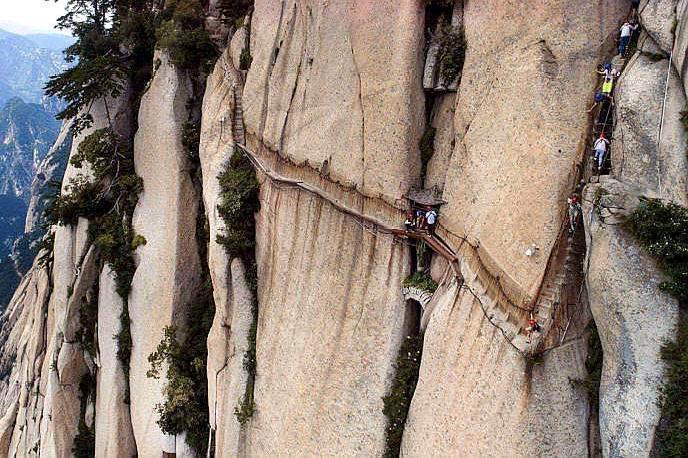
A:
[608,71]
[600,97]
[600,147]
[574,211]
[431,219]
[420,219]
[607,86]
[410,222]
[533,325]
[626,32]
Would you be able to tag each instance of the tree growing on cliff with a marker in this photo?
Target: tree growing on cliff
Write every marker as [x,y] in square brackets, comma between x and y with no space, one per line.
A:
[114,38]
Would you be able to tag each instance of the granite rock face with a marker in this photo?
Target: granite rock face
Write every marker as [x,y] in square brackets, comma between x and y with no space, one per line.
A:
[167,273]
[623,284]
[648,159]
[332,108]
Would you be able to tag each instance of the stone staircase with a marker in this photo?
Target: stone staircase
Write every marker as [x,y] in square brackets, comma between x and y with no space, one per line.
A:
[559,286]
[238,130]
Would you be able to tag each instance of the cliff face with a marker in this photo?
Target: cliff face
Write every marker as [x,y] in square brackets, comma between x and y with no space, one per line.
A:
[330,113]
[648,160]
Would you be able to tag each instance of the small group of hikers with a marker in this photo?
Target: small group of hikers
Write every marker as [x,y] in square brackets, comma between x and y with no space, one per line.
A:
[421,220]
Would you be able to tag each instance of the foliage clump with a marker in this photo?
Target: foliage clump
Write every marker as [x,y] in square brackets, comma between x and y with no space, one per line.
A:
[672,431]
[191,139]
[108,201]
[185,408]
[422,281]
[451,52]
[398,401]
[238,205]
[662,228]
[114,45]
[182,33]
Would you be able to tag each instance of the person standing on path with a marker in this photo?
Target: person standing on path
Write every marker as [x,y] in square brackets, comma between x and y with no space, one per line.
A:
[626,32]
[431,219]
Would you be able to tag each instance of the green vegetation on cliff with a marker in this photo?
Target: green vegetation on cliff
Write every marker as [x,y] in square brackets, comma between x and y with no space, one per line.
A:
[183,35]
[238,205]
[662,229]
[422,281]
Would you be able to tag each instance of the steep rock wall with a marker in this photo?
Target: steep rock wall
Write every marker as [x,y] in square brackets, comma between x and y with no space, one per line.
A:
[520,124]
[44,382]
[114,434]
[623,279]
[167,266]
[623,284]
[319,94]
[476,396]
[336,110]
[227,341]
[331,316]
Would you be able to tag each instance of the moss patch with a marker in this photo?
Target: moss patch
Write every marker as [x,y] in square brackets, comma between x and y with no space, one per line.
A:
[422,281]
[398,401]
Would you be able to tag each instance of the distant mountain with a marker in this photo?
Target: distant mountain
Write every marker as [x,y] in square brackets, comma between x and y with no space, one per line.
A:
[25,67]
[22,228]
[27,132]
[53,41]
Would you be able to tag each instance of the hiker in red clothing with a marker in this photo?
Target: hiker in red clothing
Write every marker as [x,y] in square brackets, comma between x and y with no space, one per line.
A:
[533,325]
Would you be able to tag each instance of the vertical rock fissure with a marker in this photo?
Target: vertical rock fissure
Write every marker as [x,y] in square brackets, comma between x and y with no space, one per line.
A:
[85,440]
[360,102]
[445,52]
[239,203]
[397,402]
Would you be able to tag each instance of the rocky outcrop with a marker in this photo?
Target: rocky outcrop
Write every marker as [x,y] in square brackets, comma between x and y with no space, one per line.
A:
[167,271]
[114,436]
[48,363]
[513,164]
[645,99]
[623,284]
[227,340]
[51,169]
[476,396]
[334,103]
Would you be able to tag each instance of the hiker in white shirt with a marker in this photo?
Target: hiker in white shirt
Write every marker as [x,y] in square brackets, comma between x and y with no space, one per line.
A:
[626,32]
[431,220]
[600,147]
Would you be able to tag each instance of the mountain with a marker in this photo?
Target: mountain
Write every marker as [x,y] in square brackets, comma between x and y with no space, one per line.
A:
[27,132]
[52,41]
[25,67]
[234,278]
